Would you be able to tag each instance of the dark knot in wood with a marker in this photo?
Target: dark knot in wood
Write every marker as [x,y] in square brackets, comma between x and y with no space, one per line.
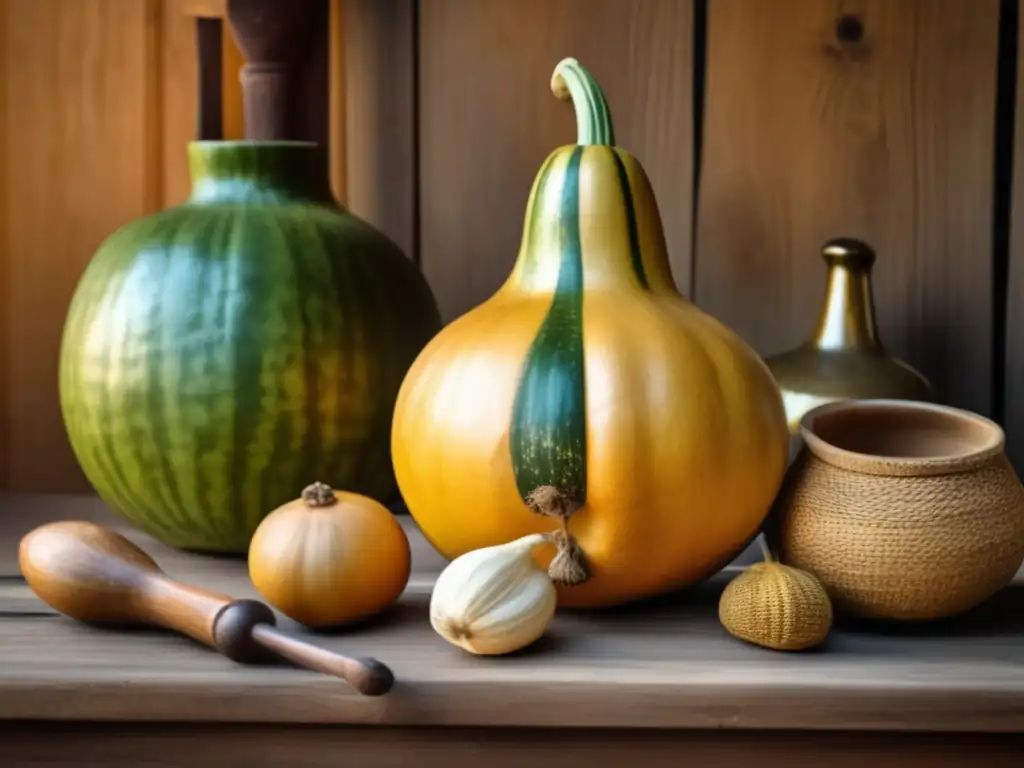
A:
[849,28]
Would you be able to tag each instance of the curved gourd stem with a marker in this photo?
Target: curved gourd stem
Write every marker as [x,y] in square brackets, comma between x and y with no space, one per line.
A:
[766,552]
[593,118]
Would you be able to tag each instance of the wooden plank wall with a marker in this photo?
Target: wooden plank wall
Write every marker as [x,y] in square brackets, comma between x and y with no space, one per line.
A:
[487,120]
[79,162]
[854,119]
[766,128]
[97,102]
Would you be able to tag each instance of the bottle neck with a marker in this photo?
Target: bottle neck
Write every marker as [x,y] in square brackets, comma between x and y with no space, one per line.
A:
[252,172]
[847,319]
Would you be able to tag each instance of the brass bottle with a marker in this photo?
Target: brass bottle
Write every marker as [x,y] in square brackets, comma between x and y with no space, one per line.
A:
[844,358]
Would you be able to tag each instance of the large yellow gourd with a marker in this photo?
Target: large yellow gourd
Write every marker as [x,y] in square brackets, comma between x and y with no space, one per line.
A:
[587,394]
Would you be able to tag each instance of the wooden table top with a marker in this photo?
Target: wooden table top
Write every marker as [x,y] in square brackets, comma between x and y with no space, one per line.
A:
[663,664]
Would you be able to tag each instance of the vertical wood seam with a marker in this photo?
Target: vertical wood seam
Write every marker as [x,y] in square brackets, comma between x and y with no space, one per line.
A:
[337,101]
[698,53]
[415,190]
[209,35]
[877,133]
[153,99]
[1002,198]
[5,341]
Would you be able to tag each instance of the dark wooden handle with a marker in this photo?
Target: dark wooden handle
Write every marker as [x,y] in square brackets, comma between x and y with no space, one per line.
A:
[273,35]
[368,676]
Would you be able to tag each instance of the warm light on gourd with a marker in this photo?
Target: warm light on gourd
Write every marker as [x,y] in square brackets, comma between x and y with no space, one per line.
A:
[587,396]
[329,557]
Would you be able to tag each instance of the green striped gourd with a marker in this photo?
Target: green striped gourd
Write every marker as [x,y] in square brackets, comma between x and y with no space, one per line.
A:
[220,355]
[588,398]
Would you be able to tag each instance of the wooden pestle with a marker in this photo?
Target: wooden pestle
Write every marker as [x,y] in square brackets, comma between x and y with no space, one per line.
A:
[97,576]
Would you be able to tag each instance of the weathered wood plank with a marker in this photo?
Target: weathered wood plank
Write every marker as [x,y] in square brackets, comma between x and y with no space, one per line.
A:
[661,664]
[488,120]
[182,92]
[180,101]
[81,118]
[873,119]
[1014,377]
[209,55]
[5,256]
[378,41]
[155,747]
[204,9]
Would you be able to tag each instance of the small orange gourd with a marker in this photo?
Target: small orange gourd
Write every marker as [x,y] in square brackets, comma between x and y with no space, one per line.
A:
[329,557]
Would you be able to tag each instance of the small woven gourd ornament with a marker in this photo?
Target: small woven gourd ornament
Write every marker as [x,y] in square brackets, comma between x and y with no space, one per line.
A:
[776,606]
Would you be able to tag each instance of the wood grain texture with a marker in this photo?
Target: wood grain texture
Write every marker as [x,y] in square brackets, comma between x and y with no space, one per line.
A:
[1014,378]
[6,114]
[888,138]
[378,42]
[311,121]
[232,109]
[180,78]
[488,120]
[209,55]
[80,148]
[204,9]
[153,746]
[337,92]
[179,97]
[99,103]
[662,664]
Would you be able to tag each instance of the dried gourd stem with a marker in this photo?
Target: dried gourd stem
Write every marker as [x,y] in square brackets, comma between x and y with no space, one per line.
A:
[766,553]
[569,566]
[319,495]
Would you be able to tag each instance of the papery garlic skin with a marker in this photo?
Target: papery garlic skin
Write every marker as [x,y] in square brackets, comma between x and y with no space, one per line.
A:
[494,600]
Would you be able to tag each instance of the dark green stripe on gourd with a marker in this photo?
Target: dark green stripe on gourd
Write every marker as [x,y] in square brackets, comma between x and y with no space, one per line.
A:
[635,256]
[548,437]
[548,430]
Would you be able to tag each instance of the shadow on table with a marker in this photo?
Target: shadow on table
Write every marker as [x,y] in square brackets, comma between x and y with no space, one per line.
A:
[1000,616]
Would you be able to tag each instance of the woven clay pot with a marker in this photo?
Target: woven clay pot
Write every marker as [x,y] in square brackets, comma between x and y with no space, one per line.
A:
[903,510]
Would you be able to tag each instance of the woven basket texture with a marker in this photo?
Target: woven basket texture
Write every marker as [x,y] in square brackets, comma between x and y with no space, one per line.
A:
[904,547]
[777,607]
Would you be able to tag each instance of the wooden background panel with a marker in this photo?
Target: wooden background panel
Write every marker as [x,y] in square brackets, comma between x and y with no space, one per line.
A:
[102,745]
[81,131]
[179,92]
[378,40]
[5,117]
[98,101]
[1014,378]
[488,120]
[179,75]
[867,118]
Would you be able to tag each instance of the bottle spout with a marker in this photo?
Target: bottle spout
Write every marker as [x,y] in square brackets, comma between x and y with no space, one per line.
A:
[847,318]
[848,252]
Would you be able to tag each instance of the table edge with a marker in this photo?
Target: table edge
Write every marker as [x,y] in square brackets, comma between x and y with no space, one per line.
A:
[915,708]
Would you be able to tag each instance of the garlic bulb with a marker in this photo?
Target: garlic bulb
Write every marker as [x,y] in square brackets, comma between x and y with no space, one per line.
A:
[494,600]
